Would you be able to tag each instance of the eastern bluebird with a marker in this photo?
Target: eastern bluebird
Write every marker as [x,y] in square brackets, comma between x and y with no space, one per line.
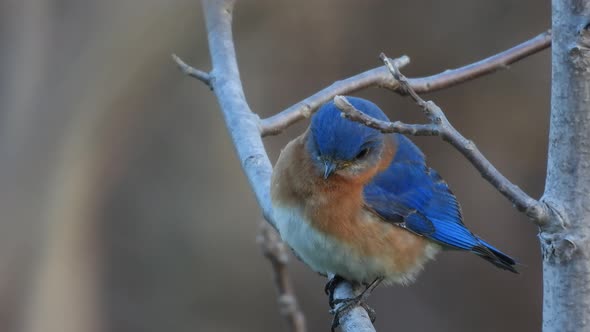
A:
[363,205]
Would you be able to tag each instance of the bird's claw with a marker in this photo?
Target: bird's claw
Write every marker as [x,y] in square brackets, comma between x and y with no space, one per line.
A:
[329,289]
[332,283]
[341,307]
[347,305]
[370,311]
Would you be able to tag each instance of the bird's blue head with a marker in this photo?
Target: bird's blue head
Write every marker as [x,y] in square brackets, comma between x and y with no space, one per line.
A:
[338,145]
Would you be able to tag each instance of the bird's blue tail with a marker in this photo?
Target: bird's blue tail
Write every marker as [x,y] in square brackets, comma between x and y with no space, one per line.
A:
[495,256]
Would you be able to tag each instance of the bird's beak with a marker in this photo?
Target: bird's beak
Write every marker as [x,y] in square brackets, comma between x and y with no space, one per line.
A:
[329,168]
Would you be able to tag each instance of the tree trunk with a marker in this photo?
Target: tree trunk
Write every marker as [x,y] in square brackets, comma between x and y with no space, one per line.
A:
[565,239]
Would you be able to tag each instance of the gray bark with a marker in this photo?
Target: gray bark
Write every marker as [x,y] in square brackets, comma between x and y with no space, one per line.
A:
[241,122]
[565,239]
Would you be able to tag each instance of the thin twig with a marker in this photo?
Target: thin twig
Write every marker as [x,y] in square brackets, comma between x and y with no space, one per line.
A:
[405,87]
[276,252]
[440,126]
[192,72]
[380,77]
[351,113]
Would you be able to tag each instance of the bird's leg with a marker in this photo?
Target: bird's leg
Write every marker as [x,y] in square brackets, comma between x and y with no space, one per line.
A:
[359,299]
[349,304]
[329,289]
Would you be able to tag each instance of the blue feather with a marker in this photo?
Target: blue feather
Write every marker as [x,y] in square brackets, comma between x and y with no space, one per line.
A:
[342,138]
[415,196]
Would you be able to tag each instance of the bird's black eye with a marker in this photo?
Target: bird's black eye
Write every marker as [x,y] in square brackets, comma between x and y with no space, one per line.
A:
[364,152]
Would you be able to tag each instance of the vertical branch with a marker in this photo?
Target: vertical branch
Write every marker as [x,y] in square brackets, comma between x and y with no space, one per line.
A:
[244,126]
[564,241]
[276,252]
[241,122]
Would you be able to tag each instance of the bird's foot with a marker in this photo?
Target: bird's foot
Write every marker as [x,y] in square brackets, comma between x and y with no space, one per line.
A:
[329,289]
[348,305]
[340,307]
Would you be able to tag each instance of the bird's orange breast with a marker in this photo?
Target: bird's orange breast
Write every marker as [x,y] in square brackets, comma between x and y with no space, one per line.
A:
[334,209]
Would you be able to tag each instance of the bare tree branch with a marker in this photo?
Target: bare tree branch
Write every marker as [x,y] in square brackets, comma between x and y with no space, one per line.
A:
[483,67]
[564,240]
[276,252]
[243,127]
[380,77]
[241,122]
[192,72]
[351,113]
[440,126]
[275,124]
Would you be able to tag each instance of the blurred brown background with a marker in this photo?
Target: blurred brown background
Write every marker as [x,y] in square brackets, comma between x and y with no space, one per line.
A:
[123,207]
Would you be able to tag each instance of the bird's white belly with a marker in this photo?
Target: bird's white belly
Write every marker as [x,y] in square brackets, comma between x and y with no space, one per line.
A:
[325,254]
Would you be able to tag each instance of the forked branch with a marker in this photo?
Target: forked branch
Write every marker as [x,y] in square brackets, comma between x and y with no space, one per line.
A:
[440,126]
[380,77]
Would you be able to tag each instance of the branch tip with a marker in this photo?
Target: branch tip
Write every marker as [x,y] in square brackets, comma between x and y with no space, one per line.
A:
[192,72]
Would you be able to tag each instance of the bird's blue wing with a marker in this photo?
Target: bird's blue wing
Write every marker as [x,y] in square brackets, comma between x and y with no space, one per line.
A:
[416,193]
[416,197]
